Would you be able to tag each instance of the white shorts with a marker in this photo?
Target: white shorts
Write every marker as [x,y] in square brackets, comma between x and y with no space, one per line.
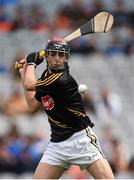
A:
[81,149]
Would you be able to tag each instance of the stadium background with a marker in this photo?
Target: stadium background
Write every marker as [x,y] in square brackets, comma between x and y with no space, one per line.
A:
[104,62]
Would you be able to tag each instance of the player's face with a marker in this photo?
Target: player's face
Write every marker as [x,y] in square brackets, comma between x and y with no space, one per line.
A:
[56,59]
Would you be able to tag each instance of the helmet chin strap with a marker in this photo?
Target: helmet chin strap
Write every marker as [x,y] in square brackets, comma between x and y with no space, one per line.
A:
[53,70]
[57,70]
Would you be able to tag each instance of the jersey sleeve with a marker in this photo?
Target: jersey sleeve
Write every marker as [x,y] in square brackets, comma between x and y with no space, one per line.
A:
[37,94]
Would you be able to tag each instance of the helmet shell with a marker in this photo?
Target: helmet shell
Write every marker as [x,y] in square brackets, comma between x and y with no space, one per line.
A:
[58,44]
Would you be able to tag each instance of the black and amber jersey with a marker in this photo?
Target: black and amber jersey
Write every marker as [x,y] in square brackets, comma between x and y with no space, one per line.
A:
[62,102]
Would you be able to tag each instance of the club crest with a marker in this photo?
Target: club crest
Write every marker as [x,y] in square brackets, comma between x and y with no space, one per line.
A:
[47,102]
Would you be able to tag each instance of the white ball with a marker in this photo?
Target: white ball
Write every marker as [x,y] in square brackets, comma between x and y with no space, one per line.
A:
[82,88]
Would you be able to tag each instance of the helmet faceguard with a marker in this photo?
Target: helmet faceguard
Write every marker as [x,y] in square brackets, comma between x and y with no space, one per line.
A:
[58,45]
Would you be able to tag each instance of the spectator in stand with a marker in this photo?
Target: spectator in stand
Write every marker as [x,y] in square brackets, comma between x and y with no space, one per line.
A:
[3,16]
[2,101]
[15,145]
[112,101]
[16,104]
[22,20]
[7,161]
[129,46]
[84,45]
[88,102]
[120,159]
[106,141]
[19,153]
[131,168]
[9,2]
[30,18]
[120,13]
[38,18]
[95,7]
[74,12]
[5,20]
[110,105]
[115,47]
[15,74]
[75,172]
[31,153]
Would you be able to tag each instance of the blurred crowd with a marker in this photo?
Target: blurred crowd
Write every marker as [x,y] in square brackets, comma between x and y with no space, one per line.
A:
[21,152]
[68,15]
[15,15]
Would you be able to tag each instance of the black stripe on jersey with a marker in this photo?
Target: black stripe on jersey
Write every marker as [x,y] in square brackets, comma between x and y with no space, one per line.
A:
[78,113]
[58,123]
[49,80]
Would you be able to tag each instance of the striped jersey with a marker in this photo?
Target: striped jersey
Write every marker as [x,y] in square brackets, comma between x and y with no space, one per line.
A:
[62,102]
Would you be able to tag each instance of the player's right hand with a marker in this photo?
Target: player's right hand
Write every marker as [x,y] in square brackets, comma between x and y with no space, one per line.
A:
[40,55]
[34,59]
[22,69]
[18,65]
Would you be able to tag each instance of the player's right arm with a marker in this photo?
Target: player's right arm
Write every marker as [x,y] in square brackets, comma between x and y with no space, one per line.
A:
[27,74]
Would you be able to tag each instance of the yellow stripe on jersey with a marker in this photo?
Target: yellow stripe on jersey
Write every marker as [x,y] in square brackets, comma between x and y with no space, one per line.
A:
[49,80]
[53,79]
[77,112]
[58,123]
[40,80]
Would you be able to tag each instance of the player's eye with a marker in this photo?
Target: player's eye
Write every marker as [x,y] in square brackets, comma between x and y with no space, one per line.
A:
[61,54]
[53,53]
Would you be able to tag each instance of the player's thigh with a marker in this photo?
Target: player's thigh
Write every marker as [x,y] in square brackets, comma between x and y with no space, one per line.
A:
[47,171]
[100,169]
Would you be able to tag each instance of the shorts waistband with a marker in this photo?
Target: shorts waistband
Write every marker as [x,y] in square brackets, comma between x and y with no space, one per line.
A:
[80,133]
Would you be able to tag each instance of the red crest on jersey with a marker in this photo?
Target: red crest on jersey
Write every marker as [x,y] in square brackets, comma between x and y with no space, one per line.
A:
[47,102]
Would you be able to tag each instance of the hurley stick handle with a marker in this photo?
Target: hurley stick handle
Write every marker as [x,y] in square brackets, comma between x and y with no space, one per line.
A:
[20,65]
